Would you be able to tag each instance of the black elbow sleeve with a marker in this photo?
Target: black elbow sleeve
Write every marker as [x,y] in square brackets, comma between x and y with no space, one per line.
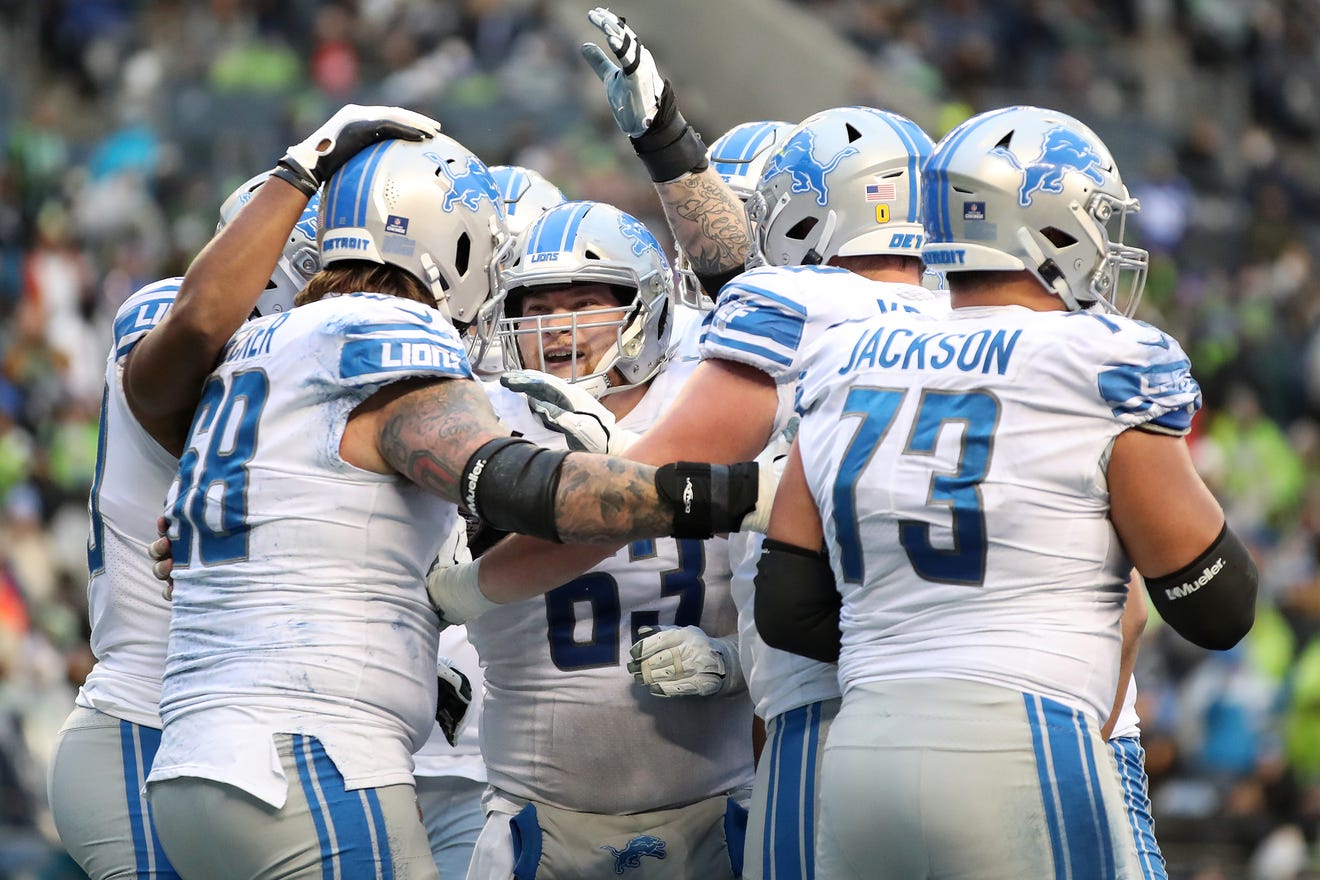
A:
[1211,602]
[797,604]
[510,484]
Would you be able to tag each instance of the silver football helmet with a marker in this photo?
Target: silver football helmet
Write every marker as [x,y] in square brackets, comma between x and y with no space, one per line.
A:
[525,195]
[738,157]
[429,207]
[846,182]
[1034,189]
[300,259]
[579,242]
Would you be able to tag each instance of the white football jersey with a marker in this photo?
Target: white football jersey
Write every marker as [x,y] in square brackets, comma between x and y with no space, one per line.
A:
[958,465]
[437,757]
[299,600]
[129,616]
[564,723]
[768,318]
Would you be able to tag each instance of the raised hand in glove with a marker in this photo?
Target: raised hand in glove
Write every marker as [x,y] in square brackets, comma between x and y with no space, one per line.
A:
[571,410]
[453,699]
[311,163]
[683,661]
[643,102]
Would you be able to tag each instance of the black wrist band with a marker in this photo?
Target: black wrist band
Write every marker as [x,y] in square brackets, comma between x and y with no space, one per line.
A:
[298,181]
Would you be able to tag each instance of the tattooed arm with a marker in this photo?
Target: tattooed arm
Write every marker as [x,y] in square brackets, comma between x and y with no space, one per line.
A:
[709,224]
[427,430]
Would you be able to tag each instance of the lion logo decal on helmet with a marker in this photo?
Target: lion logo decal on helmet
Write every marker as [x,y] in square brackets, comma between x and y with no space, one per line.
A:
[798,158]
[469,185]
[1063,152]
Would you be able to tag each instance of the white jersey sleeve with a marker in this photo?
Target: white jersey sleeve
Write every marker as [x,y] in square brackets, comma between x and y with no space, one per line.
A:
[299,601]
[767,318]
[129,617]
[958,466]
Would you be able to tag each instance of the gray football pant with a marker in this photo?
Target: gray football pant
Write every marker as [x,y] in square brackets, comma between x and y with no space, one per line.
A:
[781,825]
[453,815]
[939,778]
[214,831]
[95,789]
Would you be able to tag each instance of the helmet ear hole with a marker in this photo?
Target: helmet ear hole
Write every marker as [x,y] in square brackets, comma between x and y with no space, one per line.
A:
[801,229]
[463,253]
[1004,141]
[1058,237]
[853,133]
[590,254]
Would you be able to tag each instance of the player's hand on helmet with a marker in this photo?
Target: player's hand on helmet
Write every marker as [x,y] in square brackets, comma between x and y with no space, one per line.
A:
[571,410]
[683,661]
[309,164]
[162,558]
[633,86]
[453,699]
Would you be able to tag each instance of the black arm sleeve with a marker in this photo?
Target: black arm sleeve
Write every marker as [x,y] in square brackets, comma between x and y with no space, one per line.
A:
[797,604]
[1211,602]
[510,484]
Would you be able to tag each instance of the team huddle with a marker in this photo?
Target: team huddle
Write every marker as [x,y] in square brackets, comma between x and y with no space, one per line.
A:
[443,527]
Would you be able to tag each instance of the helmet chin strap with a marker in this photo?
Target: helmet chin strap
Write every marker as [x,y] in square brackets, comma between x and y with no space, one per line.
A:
[813,256]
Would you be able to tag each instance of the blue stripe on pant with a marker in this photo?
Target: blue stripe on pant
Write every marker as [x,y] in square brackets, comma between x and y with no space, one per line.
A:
[349,824]
[1131,760]
[138,746]
[788,844]
[1070,786]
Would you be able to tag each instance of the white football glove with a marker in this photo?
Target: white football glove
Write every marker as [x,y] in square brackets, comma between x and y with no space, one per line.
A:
[453,699]
[633,89]
[571,410]
[309,164]
[683,661]
[455,593]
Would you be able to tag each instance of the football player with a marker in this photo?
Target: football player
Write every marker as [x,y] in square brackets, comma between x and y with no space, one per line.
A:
[835,208]
[980,483]
[590,774]
[317,482]
[107,745]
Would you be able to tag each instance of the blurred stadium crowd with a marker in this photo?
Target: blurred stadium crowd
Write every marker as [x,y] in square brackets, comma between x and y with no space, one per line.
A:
[123,124]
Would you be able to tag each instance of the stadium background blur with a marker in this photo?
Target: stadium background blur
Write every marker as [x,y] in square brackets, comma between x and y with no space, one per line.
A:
[124,123]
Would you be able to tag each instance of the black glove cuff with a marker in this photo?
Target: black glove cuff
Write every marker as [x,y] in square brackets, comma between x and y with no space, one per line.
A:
[291,173]
[670,148]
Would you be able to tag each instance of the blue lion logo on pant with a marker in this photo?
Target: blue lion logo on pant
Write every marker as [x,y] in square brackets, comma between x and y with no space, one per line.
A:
[798,158]
[1064,151]
[631,854]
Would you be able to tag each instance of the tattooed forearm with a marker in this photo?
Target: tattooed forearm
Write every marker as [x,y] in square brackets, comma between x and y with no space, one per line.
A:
[429,432]
[602,499]
[708,222]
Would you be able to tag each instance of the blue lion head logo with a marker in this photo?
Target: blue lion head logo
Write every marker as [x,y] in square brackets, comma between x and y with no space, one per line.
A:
[641,238]
[1062,152]
[308,222]
[633,851]
[798,158]
[469,185]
